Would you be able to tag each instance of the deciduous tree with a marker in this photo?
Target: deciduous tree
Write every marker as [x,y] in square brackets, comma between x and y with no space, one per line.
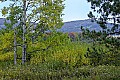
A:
[36,16]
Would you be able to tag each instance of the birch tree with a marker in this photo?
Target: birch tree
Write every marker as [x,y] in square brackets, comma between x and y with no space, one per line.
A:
[27,16]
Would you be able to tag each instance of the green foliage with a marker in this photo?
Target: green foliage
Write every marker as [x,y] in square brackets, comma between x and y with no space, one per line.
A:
[6,49]
[9,56]
[6,42]
[41,73]
[54,56]
[96,54]
[59,50]
[113,46]
[105,52]
[108,10]
[26,16]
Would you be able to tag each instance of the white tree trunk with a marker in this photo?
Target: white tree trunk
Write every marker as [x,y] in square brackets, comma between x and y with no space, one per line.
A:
[15,48]
[24,32]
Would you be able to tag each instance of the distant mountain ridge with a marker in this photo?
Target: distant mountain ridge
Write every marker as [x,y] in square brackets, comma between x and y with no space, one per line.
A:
[2,20]
[72,26]
[75,26]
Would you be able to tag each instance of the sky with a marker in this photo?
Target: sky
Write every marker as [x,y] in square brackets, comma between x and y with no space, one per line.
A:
[74,9]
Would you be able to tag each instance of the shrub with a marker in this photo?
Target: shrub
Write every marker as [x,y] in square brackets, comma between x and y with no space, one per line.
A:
[39,72]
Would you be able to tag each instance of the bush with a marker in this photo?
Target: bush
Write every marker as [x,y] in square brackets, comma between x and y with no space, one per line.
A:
[105,52]
[62,56]
[61,52]
[39,72]
[7,56]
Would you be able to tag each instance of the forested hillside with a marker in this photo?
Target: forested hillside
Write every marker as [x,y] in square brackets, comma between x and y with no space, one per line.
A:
[73,26]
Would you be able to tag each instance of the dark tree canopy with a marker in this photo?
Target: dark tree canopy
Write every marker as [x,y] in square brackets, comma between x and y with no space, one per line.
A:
[109,10]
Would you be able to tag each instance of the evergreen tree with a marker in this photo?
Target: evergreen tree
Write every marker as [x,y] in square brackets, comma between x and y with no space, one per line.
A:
[108,10]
